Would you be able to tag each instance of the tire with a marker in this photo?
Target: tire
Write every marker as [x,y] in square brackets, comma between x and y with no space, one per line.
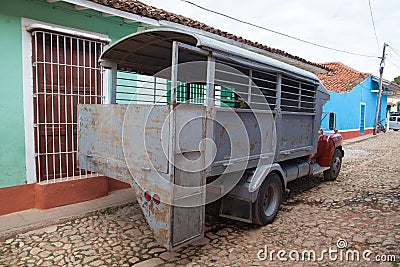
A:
[268,201]
[395,130]
[336,165]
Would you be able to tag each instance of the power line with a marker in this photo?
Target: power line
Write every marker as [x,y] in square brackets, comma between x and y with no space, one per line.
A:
[394,50]
[373,24]
[394,64]
[370,60]
[276,32]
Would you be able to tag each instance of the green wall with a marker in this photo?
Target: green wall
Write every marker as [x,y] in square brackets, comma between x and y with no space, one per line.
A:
[12,133]
[12,140]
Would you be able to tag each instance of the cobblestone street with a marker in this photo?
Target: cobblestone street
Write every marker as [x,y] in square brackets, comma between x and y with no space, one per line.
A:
[361,208]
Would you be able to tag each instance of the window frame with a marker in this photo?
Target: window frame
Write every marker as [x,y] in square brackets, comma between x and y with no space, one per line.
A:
[27,85]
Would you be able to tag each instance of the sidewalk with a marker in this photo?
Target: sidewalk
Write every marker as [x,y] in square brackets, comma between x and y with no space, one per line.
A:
[358,139]
[27,220]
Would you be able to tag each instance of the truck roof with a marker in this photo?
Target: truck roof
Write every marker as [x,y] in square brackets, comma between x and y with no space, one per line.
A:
[144,43]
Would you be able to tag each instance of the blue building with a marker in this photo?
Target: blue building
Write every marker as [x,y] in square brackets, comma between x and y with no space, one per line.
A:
[352,106]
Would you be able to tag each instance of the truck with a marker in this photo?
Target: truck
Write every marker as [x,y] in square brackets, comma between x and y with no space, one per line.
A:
[195,119]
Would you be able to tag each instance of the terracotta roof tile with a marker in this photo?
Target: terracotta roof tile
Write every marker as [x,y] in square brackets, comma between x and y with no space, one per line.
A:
[141,9]
[341,78]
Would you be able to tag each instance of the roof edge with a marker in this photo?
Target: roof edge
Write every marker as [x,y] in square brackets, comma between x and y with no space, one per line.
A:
[283,56]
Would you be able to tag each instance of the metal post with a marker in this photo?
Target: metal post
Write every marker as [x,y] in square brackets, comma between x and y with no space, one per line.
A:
[172,120]
[299,106]
[208,126]
[174,73]
[172,134]
[187,93]
[250,87]
[155,90]
[113,89]
[210,86]
[278,115]
[210,111]
[378,102]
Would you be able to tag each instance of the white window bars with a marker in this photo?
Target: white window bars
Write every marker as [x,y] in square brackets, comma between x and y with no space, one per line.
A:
[66,73]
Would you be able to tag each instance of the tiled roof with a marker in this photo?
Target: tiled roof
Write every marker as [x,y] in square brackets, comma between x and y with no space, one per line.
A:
[393,87]
[341,78]
[144,10]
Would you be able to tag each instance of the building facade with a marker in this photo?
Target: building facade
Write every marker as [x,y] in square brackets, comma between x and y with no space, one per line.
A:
[394,104]
[353,98]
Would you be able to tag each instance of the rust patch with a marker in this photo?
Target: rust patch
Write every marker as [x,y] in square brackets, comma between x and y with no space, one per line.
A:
[252,146]
[159,213]
[221,134]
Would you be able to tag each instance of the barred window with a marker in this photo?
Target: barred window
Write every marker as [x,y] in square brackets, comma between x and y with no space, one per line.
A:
[66,73]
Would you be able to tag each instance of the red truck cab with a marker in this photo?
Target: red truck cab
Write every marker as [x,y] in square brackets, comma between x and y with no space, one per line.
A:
[330,153]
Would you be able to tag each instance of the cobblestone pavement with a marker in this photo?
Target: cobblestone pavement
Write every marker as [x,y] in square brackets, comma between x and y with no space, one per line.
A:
[361,208]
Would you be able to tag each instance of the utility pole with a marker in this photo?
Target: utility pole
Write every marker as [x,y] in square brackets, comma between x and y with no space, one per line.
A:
[378,101]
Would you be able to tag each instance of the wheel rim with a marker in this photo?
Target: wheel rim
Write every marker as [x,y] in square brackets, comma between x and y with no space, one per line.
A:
[336,166]
[270,200]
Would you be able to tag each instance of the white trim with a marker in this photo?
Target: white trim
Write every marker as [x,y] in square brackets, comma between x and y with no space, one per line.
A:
[365,112]
[350,130]
[113,11]
[65,30]
[27,84]
[106,81]
[77,7]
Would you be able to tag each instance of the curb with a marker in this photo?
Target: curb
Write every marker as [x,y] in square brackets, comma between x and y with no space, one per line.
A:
[357,139]
[50,221]
[20,230]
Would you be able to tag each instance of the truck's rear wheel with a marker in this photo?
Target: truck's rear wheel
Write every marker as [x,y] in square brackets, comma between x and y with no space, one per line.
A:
[336,164]
[268,200]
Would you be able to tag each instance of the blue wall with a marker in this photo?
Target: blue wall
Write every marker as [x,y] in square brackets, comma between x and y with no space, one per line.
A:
[347,107]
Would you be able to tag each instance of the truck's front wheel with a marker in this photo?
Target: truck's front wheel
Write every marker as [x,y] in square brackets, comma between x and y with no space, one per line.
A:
[268,200]
[336,164]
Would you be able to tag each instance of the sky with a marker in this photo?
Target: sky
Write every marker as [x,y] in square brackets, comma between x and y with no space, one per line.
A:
[340,24]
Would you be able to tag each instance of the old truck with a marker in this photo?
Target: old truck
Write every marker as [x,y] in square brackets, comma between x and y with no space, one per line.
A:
[194,119]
